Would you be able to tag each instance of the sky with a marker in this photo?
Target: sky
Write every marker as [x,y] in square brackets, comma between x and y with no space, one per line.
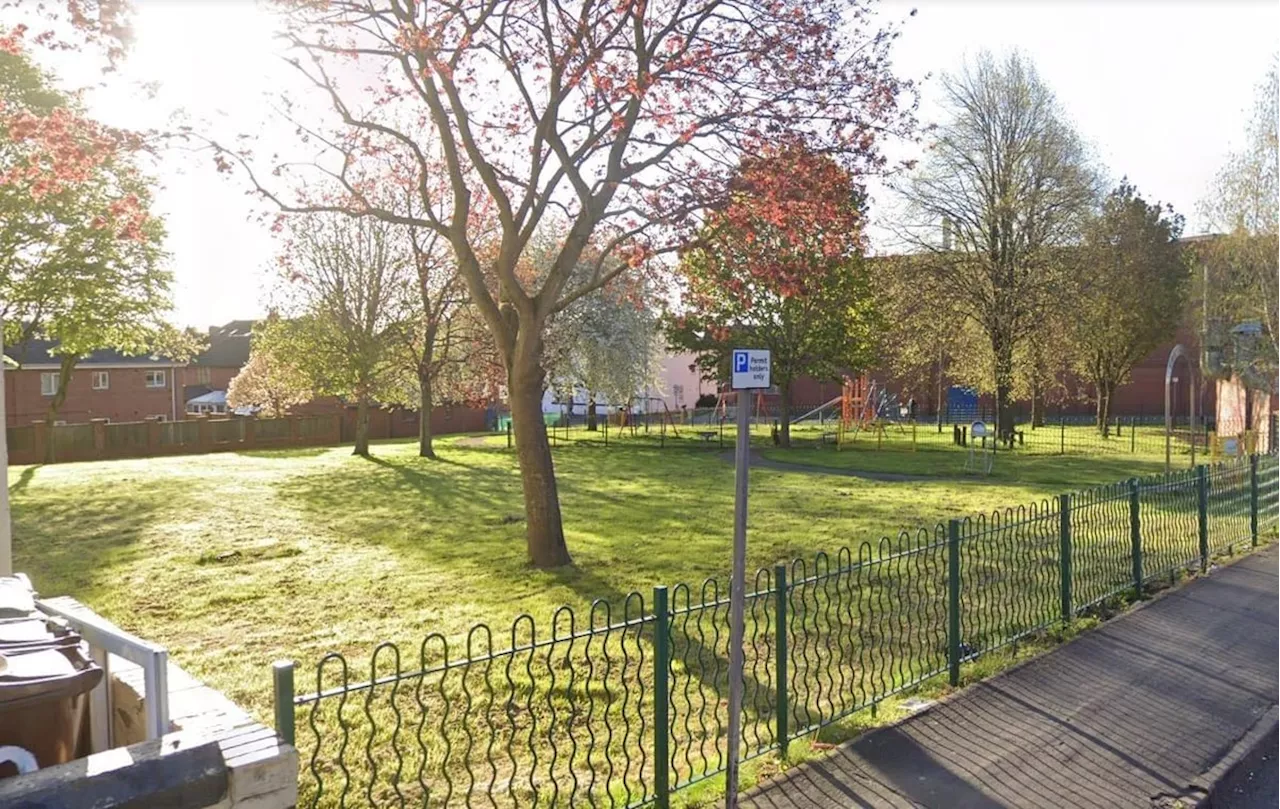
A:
[1160,90]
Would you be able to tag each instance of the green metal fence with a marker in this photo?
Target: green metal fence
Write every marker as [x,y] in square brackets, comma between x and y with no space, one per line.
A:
[623,704]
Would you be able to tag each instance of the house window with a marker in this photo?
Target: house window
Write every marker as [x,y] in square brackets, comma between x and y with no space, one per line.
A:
[202,376]
[48,384]
[677,393]
[101,380]
[155,379]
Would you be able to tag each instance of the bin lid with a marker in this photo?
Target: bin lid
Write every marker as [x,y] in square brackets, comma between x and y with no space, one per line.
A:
[23,631]
[39,665]
[35,676]
[16,599]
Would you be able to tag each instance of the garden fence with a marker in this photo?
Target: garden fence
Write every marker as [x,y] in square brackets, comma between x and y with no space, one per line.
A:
[102,440]
[623,704]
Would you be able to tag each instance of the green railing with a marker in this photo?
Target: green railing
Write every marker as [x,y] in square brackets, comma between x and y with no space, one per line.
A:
[566,714]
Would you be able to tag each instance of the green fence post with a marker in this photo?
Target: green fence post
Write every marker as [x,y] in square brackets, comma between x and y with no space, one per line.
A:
[1202,505]
[1133,434]
[780,644]
[661,695]
[1062,435]
[282,682]
[1064,543]
[508,433]
[1135,535]
[1253,500]
[953,601]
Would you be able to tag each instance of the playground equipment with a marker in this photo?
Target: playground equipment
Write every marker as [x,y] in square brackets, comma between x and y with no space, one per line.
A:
[627,417]
[862,409]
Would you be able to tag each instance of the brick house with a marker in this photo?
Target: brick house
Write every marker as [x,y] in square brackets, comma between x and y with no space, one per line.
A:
[109,385]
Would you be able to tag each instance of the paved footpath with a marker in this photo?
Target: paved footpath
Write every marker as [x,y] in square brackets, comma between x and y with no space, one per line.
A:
[1150,707]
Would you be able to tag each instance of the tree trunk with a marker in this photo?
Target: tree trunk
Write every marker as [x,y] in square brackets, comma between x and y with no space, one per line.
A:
[591,411]
[65,366]
[1037,403]
[784,435]
[544,531]
[1104,407]
[424,416]
[362,427]
[1004,387]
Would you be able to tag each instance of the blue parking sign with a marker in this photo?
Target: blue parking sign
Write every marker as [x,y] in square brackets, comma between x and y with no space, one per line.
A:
[750,369]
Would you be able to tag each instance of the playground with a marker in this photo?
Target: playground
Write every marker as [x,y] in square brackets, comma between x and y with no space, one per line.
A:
[867,433]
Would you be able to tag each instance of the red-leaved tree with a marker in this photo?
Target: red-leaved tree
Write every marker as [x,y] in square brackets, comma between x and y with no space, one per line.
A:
[610,122]
[780,267]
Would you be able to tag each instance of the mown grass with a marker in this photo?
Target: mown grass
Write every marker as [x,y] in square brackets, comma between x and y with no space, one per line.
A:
[236,560]
[323,550]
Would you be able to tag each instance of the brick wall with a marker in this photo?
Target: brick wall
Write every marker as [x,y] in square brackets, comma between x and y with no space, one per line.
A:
[210,376]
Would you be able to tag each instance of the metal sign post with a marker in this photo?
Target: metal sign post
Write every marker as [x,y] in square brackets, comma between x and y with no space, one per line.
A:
[750,372]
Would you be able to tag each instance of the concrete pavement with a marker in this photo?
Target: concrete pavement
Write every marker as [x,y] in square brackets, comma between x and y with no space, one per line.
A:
[1147,710]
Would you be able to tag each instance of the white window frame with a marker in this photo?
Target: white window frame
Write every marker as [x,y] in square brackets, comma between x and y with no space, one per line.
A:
[101,376]
[49,383]
[150,374]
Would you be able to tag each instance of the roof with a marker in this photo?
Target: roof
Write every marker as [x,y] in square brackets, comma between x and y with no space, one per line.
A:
[228,345]
[36,352]
[219,397]
[228,348]
[213,397]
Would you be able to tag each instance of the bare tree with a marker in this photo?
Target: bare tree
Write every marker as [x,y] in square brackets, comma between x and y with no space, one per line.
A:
[1010,180]
[616,119]
[433,334]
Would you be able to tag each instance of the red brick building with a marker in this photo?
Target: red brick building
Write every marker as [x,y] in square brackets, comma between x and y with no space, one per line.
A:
[109,385]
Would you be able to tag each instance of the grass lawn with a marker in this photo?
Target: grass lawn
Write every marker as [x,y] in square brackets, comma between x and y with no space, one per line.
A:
[234,560]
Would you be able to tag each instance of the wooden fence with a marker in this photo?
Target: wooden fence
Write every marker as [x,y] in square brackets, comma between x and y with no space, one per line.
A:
[100,440]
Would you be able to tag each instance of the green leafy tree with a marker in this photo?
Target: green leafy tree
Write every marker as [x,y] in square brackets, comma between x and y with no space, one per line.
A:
[347,292]
[1008,179]
[81,257]
[921,334]
[780,267]
[1132,278]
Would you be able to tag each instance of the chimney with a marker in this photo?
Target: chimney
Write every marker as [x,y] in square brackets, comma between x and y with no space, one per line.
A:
[946,233]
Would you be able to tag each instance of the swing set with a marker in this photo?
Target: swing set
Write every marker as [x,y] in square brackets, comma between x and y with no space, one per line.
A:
[861,404]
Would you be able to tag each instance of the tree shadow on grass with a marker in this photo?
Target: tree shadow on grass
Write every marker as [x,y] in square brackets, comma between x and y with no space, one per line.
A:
[24,480]
[71,538]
